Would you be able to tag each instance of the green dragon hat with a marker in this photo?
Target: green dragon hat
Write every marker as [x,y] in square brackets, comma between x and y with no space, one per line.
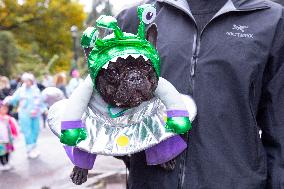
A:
[119,44]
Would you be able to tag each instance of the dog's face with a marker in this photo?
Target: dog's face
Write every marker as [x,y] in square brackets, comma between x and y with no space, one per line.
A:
[128,82]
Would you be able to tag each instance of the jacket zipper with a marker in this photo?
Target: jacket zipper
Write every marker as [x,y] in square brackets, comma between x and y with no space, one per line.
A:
[251,106]
[193,62]
[194,58]
[195,50]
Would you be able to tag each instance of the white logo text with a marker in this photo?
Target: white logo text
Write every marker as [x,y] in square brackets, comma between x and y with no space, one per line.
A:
[240,32]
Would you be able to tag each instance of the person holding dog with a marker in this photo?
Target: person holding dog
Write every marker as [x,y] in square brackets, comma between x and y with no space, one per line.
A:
[229,56]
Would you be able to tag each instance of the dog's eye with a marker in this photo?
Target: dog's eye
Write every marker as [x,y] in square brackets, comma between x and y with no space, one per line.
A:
[112,72]
[149,15]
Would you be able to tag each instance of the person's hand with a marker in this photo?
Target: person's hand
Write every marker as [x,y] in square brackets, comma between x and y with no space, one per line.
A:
[179,125]
[72,137]
[34,113]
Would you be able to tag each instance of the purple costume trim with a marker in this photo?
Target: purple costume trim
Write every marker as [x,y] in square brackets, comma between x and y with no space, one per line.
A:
[72,125]
[177,113]
[165,151]
[80,158]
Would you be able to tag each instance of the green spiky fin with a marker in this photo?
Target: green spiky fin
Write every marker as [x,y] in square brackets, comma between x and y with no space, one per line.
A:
[89,37]
[110,22]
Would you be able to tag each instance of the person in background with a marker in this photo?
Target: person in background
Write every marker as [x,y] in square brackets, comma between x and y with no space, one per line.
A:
[74,82]
[60,82]
[47,80]
[40,86]
[5,89]
[30,108]
[228,55]
[52,95]
[8,131]
[15,83]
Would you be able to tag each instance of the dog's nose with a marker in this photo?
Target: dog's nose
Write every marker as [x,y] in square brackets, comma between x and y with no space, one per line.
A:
[135,78]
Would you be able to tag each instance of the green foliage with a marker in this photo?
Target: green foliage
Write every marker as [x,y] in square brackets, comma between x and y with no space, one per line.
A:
[28,62]
[8,52]
[42,30]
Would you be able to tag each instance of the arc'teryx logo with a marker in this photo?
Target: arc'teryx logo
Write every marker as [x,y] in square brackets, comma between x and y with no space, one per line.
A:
[240,32]
[242,28]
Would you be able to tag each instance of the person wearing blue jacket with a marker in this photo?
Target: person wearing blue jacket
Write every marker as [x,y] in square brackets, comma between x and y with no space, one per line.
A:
[30,105]
[228,55]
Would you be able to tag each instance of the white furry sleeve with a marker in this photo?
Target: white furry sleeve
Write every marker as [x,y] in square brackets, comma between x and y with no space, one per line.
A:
[168,94]
[78,102]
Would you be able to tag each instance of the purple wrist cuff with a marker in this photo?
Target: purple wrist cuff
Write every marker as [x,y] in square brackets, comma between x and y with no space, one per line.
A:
[80,158]
[165,151]
[72,125]
[177,113]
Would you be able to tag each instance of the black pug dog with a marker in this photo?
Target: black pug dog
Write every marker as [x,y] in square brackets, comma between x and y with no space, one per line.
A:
[126,83]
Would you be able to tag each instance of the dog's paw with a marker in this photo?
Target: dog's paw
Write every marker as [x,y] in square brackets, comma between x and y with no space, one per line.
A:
[79,175]
[169,166]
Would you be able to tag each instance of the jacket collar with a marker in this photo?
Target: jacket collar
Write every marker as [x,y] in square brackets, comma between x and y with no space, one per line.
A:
[231,5]
[250,4]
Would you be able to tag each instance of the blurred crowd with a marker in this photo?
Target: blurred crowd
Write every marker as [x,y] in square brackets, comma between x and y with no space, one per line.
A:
[24,102]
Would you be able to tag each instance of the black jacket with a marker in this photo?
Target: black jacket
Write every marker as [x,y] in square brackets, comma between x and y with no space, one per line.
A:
[235,71]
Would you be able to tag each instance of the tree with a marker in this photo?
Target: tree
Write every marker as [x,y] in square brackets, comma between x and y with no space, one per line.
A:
[8,52]
[42,27]
[99,7]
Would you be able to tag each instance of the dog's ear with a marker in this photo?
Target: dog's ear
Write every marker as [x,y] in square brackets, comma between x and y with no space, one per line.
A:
[152,34]
[87,52]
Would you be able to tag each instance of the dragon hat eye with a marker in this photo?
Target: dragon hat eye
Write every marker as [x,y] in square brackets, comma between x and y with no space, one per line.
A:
[149,15]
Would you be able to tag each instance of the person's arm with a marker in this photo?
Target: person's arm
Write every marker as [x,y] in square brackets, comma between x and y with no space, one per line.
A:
[271,111]
[128,20]
[14,99]
[38,101]
[13,126]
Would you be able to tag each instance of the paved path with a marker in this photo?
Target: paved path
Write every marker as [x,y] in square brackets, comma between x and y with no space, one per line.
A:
[51,169]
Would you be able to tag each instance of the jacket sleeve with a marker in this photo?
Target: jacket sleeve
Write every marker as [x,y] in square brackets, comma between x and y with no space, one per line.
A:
[128,20]
[271,111]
